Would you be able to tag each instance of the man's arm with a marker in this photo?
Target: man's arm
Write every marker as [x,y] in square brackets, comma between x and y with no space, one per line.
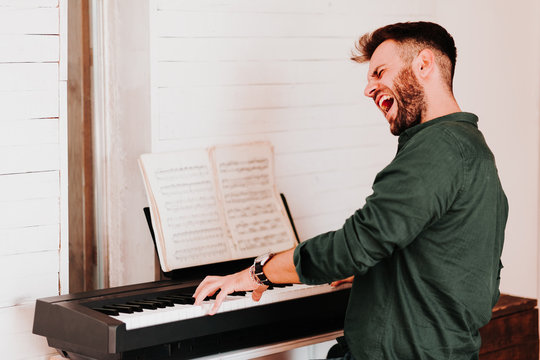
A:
[279,269]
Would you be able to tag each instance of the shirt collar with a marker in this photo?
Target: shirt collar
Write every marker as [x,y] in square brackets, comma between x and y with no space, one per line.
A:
[458,116]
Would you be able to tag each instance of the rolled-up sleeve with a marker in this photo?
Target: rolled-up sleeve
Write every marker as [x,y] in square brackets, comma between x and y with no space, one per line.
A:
[412,192]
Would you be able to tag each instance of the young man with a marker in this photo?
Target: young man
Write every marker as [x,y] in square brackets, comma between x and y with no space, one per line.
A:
[425,248]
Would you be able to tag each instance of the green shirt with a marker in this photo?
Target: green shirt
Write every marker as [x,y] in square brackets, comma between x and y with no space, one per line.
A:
[425,248]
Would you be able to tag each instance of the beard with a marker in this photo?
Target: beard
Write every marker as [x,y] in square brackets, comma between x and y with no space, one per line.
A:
[410,99]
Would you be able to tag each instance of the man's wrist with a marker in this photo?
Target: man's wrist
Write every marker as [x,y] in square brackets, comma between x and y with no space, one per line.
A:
[257,269]
[253,277]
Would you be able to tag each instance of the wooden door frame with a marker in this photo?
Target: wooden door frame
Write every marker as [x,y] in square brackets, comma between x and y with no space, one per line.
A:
[82,239]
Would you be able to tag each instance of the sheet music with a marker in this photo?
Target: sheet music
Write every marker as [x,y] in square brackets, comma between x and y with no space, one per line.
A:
[188,221]
[253,210]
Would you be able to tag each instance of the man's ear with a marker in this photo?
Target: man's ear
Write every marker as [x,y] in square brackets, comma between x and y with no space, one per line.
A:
[424,64]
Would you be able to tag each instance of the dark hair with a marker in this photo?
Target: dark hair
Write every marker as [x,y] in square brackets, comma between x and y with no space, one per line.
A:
[419,34]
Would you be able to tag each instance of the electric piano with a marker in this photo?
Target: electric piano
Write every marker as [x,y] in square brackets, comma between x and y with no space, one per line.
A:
[158,320]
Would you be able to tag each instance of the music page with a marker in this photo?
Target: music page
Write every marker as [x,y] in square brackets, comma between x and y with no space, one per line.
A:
[188,222]
[253,209]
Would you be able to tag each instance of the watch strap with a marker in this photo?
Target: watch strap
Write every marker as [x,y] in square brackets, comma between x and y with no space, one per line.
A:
[258,272]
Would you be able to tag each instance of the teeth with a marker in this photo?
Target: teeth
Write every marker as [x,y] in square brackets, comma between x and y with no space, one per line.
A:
[382,99]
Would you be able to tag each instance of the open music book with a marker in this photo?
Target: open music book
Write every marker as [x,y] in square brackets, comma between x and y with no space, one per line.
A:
[215,205]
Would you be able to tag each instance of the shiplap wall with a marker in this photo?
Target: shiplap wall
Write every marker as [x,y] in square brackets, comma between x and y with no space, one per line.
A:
[235,71]
[33,163]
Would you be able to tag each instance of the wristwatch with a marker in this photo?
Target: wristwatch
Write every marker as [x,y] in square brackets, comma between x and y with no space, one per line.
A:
[257,269]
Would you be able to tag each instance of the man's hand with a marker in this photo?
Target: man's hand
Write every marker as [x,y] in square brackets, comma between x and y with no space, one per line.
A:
[339,282]
[241,281]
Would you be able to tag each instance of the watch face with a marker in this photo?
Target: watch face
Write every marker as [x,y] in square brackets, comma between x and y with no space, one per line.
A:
[262,259]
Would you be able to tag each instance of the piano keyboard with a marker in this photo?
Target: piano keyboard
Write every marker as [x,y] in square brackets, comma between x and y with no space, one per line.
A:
[179,306]
[158,320]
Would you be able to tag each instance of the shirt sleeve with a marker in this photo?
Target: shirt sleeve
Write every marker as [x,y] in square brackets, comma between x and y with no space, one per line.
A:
[413,191]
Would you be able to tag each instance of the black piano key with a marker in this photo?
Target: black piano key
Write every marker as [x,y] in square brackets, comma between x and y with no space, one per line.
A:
[158,303]
[164,301]
[185,292]
[186,300]
[170,298]
[133,308]
[176,296]
[107,311]
[143,304]
[120,308]
[213,296]
[174,300]
[238,293]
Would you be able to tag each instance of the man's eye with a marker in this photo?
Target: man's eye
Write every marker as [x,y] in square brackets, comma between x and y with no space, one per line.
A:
[380,73]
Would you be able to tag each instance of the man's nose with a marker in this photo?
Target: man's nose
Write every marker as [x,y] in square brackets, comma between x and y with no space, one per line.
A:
[369,91]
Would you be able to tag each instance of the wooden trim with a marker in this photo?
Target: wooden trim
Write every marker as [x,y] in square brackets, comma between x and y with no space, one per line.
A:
[82,245]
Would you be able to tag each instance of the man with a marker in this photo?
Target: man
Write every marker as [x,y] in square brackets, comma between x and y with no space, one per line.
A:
[425,248]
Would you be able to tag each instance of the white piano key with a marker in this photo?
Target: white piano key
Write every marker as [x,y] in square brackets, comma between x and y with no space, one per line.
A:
[180,312]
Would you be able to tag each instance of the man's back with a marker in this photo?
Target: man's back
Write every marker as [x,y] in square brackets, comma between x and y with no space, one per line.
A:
[439,289]
[426,247]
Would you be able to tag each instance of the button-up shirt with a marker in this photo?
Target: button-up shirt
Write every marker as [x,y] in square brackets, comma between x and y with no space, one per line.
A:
[425,248]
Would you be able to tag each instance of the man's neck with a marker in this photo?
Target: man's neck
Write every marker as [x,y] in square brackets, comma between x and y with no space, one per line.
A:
[440,105]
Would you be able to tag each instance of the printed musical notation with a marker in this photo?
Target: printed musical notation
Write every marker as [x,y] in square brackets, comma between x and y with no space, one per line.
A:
[192,219]
[239,167]
[250,200]
[250,210]
[216,205]
[260,233]
[262,241]
[200,254]
[245,181]
[247,196]
[187,214]
[181,172]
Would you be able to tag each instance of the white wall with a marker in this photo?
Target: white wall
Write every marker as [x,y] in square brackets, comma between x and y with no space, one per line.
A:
[498,77]
[33,164]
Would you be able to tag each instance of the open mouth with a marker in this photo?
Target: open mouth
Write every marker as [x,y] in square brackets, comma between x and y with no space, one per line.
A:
[385,103]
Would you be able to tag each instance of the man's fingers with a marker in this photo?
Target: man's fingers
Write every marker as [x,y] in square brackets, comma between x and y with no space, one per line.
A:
[219,300]
[201,296]
[257,293]
[206,281]
[240,281]
[350,279]
[206,288]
